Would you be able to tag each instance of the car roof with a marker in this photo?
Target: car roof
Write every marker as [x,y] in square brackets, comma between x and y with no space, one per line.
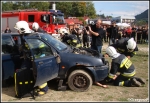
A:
[9,34]
[32,34]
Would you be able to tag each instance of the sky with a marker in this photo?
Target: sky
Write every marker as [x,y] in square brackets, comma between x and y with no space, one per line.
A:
[120,8]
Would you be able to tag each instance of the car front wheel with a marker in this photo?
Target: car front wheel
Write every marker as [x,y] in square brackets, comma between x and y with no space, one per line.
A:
[79,81]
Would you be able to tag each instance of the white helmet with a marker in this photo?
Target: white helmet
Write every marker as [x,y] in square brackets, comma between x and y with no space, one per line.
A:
[62,31]
[22,27]
[35,26]
[111,51]
[131,44]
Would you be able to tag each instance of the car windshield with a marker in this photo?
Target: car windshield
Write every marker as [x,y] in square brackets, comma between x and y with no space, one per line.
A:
[56,43]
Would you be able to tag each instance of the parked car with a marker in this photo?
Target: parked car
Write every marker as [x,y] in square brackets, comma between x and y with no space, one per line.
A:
[78,68]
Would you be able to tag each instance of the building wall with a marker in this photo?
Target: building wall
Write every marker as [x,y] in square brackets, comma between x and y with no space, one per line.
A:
[123,19]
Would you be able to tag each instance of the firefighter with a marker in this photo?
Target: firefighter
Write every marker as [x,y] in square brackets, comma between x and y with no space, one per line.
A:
[70,39]
[120,63]
[36,28]
[126,46]
[24,30]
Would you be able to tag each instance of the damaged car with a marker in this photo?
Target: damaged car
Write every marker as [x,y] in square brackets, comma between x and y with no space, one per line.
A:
[74,67]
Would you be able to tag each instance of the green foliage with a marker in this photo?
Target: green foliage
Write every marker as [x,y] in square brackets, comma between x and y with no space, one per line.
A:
[90,10]
[141,22]
[77,9]
[7,6]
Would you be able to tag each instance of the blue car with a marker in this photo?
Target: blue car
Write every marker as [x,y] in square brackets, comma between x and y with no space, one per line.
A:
[52,59]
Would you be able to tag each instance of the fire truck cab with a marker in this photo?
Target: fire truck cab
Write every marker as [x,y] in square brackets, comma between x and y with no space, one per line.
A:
[54,18]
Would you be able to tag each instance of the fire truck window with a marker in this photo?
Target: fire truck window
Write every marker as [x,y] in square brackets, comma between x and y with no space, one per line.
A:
[30,18]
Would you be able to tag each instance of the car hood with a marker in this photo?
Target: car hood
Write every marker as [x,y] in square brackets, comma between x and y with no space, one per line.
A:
[84,51]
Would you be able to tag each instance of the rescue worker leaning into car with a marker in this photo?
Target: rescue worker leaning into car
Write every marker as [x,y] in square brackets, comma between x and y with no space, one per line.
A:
[69,39]
[120,63]
[24,30]
[126,46]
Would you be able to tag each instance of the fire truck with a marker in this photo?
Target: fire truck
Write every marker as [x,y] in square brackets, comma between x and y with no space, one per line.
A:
[55,18]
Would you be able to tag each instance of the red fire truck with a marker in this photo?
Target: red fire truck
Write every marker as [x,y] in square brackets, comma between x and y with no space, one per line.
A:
[54,18]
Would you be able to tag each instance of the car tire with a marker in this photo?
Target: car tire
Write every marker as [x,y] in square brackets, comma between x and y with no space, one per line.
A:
[79,81]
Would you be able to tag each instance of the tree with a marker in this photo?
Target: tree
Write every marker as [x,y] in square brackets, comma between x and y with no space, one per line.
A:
[39,5]
[141,22]
[90,10]
[65,7]
[77,9]
[7,6]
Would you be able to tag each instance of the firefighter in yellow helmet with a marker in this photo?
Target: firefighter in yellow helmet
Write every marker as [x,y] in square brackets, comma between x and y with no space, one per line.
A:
[120,63]
[24,30]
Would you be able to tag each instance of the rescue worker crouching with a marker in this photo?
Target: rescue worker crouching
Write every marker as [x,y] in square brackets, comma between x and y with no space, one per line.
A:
[69,39]
[24,30]
[120,63]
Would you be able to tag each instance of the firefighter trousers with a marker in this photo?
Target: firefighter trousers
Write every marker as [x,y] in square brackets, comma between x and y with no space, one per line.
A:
[122,81]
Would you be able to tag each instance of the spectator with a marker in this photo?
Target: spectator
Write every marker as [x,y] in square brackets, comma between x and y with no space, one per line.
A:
[119,33]
[104,28]
[139,34]
[7,30]
[124,33]
[108,31]
[133,34]
[128,32]
[85,38]
[47,29]
[113,33]
[97,36]
[143,35]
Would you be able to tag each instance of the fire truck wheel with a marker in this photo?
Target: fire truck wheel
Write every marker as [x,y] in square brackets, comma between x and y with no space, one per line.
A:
[80,81]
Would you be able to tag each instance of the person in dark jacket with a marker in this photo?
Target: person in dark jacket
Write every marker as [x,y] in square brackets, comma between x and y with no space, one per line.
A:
[7,30]
[113,33]
[120,63]
[139,34]
[85,38]
[126,46]
[133,34]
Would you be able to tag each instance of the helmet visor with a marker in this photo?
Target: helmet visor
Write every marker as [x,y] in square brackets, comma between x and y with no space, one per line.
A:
[130,50]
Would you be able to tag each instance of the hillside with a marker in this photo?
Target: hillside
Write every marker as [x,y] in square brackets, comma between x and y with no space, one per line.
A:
[143,15]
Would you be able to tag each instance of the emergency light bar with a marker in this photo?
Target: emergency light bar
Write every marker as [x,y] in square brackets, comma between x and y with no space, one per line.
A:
[56,12]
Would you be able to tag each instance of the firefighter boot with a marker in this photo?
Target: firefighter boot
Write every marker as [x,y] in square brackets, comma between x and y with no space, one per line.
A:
[141,80]
[134,82]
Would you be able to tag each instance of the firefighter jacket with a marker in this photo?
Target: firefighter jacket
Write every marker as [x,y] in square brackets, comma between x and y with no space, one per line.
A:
[123,65]
[121,47]
[71,40]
